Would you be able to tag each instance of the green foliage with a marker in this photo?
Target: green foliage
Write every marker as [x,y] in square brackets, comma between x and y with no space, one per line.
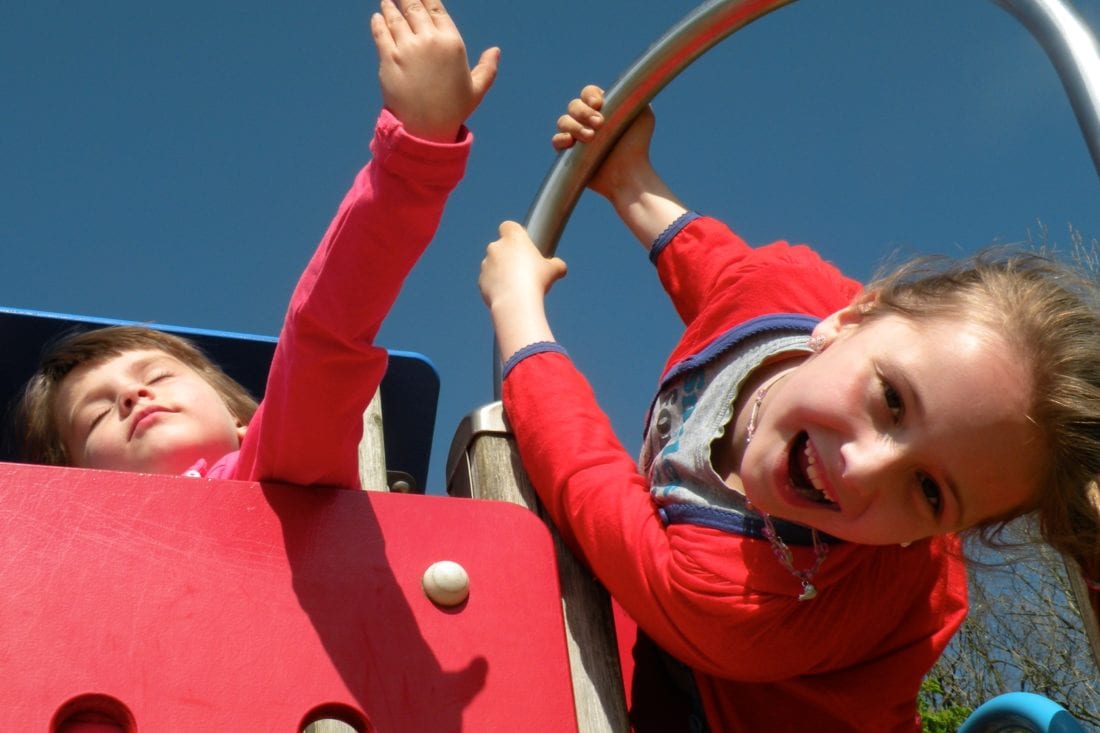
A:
[938,714]
[1024,633]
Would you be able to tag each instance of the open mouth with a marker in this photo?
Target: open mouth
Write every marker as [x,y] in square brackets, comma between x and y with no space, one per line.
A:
[805,476]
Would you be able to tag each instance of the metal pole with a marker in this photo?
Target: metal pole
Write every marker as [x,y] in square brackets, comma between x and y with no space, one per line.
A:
[1072,49]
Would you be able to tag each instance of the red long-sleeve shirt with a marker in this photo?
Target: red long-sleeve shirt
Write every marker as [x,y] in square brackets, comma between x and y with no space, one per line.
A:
[851,659]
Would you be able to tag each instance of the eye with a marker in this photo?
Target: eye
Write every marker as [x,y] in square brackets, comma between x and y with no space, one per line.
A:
[159,376]
[932,494]
[97,419]
[893,401]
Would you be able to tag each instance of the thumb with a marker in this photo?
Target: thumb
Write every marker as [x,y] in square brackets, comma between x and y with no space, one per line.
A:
[558,268]
[485,72]
[510,228]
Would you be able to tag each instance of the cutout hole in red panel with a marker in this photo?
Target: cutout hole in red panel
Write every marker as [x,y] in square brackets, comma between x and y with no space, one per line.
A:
[335,718]
[93,713]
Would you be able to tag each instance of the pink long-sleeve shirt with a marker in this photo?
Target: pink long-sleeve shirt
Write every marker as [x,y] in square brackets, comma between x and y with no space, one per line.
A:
[326,366]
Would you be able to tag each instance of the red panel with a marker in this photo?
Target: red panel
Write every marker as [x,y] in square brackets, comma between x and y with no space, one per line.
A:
[221,605]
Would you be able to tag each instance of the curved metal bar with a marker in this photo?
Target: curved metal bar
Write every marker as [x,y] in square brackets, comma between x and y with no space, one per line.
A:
[689,39]
[1073,50]
[1063,35]
[673,52]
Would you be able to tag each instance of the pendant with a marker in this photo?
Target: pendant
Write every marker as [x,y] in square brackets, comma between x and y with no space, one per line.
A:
[808,592]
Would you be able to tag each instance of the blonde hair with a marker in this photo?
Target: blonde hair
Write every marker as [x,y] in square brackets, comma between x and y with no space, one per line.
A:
[36,431]
[1050,315]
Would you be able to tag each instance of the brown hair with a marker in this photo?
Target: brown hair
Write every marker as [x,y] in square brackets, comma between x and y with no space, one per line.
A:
[37,432]
[1050,314]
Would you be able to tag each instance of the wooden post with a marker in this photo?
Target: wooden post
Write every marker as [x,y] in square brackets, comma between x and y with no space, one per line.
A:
[372,448]
[483,464]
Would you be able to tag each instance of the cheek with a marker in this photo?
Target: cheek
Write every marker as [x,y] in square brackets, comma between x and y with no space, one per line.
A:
[829,387]
[98,451]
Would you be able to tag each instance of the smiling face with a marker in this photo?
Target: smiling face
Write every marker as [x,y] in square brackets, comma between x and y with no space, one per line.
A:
[143,411]
[896,431]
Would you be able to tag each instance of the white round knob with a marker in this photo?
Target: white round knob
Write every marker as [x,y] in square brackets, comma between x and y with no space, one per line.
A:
[446,583]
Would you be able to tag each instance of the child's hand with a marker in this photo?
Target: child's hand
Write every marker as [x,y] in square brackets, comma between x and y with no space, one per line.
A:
[514,270]
[425,77]
[626,177]
[627,162]
[514,280]
[581,120]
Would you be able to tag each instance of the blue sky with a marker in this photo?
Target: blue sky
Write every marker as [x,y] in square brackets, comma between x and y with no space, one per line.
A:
[177,163]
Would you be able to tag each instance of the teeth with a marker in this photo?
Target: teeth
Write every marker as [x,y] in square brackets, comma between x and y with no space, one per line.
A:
[813,473]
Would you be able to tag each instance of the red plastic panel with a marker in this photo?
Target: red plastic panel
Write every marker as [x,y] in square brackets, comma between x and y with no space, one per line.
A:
[218,605]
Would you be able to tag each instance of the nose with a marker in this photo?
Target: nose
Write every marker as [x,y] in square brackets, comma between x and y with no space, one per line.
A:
[130,395]
[872,465]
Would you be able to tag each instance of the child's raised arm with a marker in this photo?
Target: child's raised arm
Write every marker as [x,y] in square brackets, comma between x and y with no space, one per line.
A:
[422,67]
[327,366]
[626,178]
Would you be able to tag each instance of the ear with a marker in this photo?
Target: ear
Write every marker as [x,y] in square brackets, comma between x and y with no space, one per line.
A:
[241,430]
[844,319]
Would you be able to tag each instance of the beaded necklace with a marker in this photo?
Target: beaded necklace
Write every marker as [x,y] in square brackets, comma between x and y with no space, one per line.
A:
[779,547]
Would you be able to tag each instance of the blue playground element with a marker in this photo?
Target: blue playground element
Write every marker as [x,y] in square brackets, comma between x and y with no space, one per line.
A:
[1021,712]
[410,389]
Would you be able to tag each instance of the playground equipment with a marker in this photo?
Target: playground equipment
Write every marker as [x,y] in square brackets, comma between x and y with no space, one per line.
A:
[141,603]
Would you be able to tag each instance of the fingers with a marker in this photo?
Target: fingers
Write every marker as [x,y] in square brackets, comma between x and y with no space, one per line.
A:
[592,95]
[585,113]
[570,130]
[483,74]
[393,19]
[383,39]
[558,269]
[404,17]
[562,141]
[581,120]
[429,13]
[510,228]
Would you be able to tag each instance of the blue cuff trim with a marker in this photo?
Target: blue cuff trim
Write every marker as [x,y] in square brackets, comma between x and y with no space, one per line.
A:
[734,522]
[530,350]
[671,231]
